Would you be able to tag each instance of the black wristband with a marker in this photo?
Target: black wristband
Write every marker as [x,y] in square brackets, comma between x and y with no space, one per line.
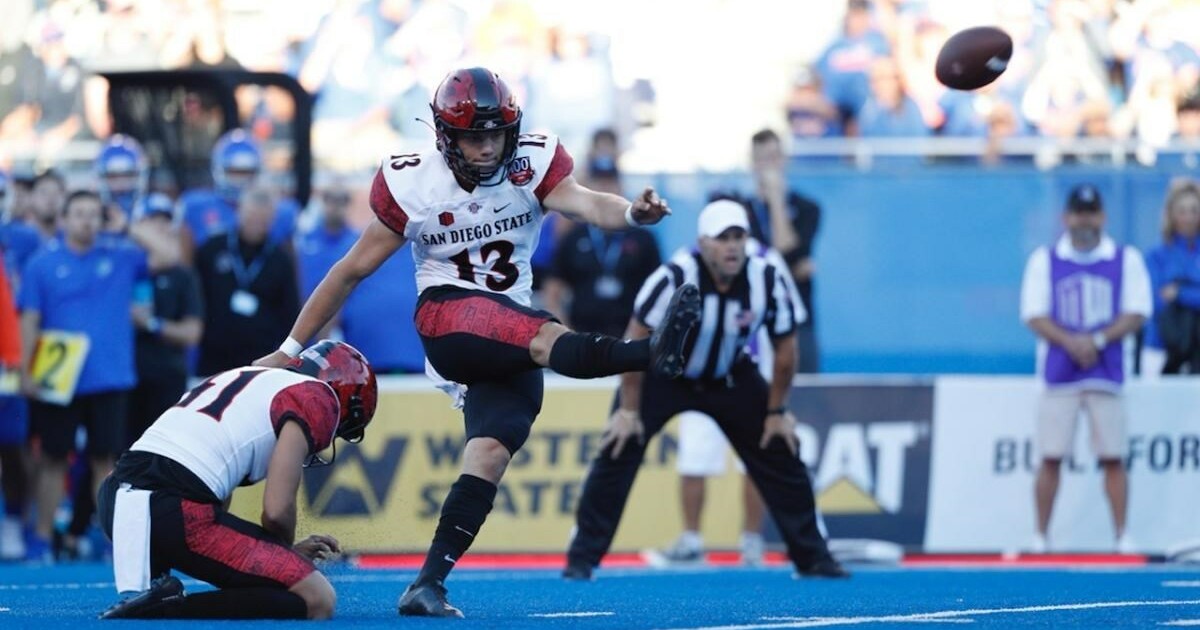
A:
[777,410]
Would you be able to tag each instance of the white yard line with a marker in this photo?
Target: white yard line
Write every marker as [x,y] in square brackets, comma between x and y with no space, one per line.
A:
[945,614]
[827,619]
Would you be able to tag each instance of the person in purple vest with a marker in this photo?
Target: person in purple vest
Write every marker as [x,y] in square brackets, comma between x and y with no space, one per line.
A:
[1083,297]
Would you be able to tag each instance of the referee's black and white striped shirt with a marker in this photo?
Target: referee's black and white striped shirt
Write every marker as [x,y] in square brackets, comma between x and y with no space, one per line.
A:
[763,295]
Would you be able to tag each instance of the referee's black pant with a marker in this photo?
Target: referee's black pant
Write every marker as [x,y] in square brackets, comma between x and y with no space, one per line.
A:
[740,410]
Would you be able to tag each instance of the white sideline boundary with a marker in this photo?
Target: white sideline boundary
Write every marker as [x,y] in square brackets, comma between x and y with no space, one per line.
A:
[823,622]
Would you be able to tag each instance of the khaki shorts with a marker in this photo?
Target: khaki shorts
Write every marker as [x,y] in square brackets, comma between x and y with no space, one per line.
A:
[703,447]
[1058,415]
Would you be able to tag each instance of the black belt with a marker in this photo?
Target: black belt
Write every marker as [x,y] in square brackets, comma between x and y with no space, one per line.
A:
[711,384]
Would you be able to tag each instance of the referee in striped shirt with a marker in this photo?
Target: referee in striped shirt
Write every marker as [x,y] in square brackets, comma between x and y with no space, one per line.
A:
[738,294]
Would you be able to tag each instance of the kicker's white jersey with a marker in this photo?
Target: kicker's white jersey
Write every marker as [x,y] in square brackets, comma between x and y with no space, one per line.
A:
[224,430]
[482,239]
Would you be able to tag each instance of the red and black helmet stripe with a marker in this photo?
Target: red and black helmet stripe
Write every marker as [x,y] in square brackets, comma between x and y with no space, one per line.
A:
[475,99]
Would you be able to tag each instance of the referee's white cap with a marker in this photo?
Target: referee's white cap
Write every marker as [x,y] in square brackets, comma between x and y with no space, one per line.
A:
[721,215]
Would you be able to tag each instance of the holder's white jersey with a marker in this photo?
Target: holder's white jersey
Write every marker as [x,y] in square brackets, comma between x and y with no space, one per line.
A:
[224,429]
[482,239]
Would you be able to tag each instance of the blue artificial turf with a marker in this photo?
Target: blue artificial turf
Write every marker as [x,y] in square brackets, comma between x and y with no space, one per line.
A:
[70,596]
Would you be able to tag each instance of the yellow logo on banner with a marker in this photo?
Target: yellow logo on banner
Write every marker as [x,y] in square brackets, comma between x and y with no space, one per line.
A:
[845,497]
[57,365]
[385,494]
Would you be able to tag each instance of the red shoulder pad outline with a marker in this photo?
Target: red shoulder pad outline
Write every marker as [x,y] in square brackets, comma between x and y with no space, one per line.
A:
[561,165]
[384,205]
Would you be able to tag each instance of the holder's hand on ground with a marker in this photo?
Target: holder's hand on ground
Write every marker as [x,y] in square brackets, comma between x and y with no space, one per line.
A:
[783,426]
[622,425]
[649,208]
[318,547]
[276,359]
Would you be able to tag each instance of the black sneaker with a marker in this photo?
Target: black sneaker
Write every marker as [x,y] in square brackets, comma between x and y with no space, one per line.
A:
[577,571]
[666,344]
[426,600]
[148,604]
[827,568]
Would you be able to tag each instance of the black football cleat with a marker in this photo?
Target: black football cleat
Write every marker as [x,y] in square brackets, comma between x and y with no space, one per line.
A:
[150,603]
[577,572]
[827,568]
[667,343]
[426,600]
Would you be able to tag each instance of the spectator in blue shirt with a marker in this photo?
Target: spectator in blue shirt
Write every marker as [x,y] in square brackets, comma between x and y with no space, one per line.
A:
[810,113]
[237,163]
[85,285]
[845,63]
[168,316]
[14,420]
[49,193]
[967,114]
[889,111]
[18,241]
[1174,267]
[391,289]
[319,248]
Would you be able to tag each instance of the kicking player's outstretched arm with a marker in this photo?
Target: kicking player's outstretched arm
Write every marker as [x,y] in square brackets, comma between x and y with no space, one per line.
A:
[376,244]
[605,210]
[283,482]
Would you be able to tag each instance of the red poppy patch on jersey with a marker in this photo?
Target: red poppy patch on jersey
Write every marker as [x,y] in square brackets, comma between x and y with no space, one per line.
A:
[446,218]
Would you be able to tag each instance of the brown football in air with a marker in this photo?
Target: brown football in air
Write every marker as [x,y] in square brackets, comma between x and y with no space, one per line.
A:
[973,58]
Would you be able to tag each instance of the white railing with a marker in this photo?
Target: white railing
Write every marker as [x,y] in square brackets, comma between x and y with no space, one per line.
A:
[76,157]
[1043,152]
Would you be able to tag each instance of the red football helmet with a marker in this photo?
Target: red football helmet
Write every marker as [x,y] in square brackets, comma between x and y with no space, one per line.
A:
[350,376]
[474,99]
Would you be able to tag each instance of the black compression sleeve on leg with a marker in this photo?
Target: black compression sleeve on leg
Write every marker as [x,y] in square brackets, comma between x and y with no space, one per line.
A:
[463,513]
[240,603]
[591,355]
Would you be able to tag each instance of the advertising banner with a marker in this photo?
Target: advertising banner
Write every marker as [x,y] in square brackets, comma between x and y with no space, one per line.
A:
[984,465]
[384,495]
[867,446]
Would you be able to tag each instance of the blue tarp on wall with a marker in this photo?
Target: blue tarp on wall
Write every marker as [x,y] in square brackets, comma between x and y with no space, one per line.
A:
[919,269]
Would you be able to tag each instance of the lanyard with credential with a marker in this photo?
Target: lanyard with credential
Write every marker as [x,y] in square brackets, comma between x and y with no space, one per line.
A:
[612,252]
[245,275]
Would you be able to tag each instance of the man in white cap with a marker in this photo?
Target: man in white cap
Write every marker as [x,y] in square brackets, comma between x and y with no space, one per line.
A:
[739,294]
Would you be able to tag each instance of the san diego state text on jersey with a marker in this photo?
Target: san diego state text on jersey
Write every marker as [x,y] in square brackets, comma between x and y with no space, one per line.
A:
[478,239]
[476,232]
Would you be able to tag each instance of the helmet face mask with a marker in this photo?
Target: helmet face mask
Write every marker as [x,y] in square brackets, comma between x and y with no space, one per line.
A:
[475,100]
[347,372]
